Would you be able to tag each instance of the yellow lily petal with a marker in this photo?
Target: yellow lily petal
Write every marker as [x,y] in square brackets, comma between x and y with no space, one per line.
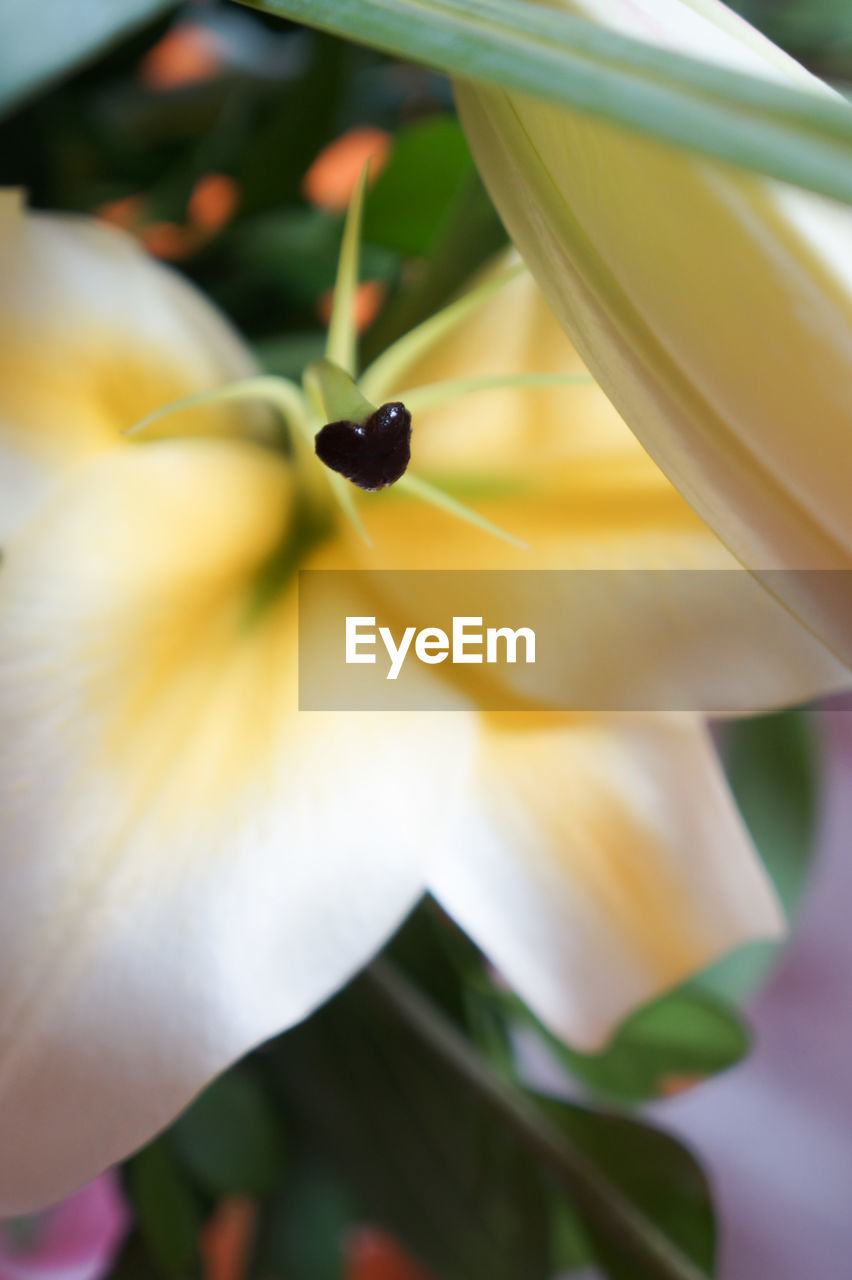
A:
[189,866]
[606,862]
[94,335]
[714,307]
[558,469]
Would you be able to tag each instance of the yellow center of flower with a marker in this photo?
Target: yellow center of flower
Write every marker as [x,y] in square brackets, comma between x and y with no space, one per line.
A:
[327,428]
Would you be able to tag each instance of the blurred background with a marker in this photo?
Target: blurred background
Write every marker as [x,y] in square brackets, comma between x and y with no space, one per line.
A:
[229,143]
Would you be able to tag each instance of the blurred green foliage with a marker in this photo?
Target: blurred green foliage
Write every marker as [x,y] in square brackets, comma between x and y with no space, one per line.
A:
[409,1137]
[276,99]
[229,1140]
[167,1213]
[817,32]
[671,1043]
[772,765]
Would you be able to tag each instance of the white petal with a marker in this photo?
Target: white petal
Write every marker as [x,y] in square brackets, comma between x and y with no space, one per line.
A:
[604,863]
[713,306]
[93,336]
[189,864]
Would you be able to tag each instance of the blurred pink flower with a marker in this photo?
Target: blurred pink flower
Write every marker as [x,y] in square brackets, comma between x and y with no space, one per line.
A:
[776,1133]
[77,1239]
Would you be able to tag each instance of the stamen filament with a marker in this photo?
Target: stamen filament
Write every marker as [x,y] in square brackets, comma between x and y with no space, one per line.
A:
[385,373]
[345,496]
[437,393]
[419,488]
[282,394]
[286,397]
[340,346]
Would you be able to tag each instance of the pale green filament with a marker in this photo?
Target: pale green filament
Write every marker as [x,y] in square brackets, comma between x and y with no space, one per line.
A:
[291,404]
[340,398]
[332,394]
[288,400]
[436,393]
[340,342]
[419,488]
[385,373]
[282,394]
[345,496]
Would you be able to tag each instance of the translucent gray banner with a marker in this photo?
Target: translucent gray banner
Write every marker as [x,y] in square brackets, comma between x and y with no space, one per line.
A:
[710,641]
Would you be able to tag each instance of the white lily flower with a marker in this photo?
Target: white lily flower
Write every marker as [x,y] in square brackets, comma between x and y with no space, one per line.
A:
[189,864]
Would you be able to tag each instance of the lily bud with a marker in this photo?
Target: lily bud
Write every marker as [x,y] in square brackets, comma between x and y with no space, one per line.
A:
[714,306]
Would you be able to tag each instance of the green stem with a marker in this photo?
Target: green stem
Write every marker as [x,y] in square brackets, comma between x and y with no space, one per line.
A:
[605,1206]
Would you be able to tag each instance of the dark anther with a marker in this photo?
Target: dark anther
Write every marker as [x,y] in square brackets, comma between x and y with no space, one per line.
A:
[372,454]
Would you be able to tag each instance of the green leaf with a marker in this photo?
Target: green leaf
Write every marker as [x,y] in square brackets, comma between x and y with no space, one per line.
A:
[783,132]
[655,1172]
[306,1223]
[463,1166]
[134,1261]
[414,196]
[166,1212]
[772,768]
[42,39]
[684,1035]
[471,235]
[570,1241]
[457,1190]
[813,23]
[295,252]
[229,1139]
